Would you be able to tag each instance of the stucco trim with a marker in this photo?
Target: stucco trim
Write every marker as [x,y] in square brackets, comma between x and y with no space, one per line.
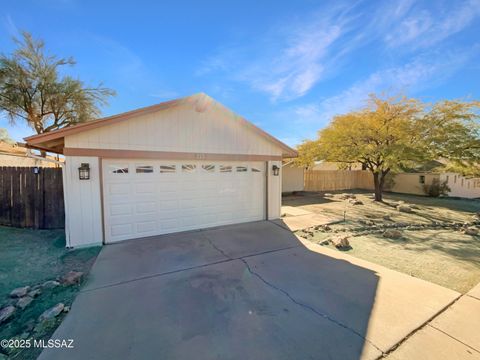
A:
[167,155]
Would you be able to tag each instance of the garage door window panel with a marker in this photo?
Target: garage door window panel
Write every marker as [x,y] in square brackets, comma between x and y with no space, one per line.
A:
[208,168]
[168,169]
[189,168]
[144,169]
[118,169]
[225,169]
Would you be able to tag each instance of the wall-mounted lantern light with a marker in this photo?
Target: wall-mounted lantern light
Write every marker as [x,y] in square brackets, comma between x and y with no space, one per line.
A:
[84,171]
[276,170]
[36,170]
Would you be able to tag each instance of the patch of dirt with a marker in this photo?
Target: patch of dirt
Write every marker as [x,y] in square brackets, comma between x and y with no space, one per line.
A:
[433,245]
[29,258]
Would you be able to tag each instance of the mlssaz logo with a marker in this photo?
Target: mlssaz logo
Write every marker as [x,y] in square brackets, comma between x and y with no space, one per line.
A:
[54,343]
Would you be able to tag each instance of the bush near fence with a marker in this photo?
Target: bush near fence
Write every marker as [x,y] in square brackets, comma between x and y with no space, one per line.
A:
[31,200]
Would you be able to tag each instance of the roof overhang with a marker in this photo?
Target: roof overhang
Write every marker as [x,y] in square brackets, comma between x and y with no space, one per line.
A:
[54,141]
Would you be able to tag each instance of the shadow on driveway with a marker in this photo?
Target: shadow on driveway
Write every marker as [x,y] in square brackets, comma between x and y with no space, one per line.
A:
[248,291]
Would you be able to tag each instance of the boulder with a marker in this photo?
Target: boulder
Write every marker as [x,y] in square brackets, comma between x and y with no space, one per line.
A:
[355,202]
[50,284]
[20,292]
[35,293]
[404,208]
[471,231]
[52,312]
[387,218]
[23,302]
[72,277]
[340,241]
[392,234]
[6,313]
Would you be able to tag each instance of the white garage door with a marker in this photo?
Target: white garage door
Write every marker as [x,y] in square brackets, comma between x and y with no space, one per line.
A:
[150,197]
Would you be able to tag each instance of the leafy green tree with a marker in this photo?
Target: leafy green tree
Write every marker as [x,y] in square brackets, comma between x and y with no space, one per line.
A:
[32,89]
[392,134]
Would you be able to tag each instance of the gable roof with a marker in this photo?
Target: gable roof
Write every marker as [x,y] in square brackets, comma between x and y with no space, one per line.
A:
[53,141]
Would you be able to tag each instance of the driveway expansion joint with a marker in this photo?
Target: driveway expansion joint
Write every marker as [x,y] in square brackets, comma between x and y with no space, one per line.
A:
[422,326]
[454,338]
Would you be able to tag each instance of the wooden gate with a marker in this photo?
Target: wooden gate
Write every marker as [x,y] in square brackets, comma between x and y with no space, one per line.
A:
[30,199]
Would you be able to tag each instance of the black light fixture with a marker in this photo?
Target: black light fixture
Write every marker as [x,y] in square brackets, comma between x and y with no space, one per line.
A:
[84,171]
[36,170]
[276,170]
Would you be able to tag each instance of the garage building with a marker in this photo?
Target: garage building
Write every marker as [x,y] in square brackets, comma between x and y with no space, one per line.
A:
[180,165]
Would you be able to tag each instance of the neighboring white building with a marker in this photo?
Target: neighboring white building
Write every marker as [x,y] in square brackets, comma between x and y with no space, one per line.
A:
[461,186]
[180,165]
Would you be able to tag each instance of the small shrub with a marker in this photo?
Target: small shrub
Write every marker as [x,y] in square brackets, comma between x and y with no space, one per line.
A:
[436,188]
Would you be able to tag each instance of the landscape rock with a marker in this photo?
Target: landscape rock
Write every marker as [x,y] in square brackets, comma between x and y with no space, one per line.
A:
[387,218]
[392,234]
[327,195]
[66,309]
[6,313]
[347,196]
[73,277]
[35,293]
[340,241]
[404,208]
[355,202]
[23,302]
[52,312]
[19,292]
[471,231]
[50,284]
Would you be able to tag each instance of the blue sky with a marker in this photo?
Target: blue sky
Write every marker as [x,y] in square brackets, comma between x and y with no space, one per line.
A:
[286,66]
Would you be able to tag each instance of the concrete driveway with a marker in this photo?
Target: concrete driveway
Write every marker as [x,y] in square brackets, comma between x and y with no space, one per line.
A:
[249,291]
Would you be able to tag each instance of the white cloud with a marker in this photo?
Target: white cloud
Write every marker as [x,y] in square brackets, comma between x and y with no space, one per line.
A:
[10,26]
[424,28]
[289,61]
[409,79]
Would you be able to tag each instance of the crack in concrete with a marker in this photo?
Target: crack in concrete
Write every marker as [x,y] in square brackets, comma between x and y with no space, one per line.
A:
[290,297]
[308,307]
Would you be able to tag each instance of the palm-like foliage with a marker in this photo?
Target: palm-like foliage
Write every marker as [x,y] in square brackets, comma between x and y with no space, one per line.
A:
[31,89]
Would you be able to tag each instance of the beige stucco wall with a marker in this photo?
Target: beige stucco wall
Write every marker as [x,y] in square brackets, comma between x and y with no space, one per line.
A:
[292,178]
[23,161]
[461,186]
[410,183]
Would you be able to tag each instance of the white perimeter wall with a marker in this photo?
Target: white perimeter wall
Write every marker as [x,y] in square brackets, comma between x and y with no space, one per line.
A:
[292,178]
[461,186]
[83,203]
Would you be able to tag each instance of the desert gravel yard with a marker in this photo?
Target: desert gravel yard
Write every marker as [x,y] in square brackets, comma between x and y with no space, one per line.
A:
[36,259]
[433,245]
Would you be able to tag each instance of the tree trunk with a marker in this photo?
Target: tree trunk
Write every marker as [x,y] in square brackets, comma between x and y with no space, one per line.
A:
[378,181]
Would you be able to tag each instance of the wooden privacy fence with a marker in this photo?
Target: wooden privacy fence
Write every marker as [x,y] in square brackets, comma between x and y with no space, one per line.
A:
[31,200]
[331,180]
